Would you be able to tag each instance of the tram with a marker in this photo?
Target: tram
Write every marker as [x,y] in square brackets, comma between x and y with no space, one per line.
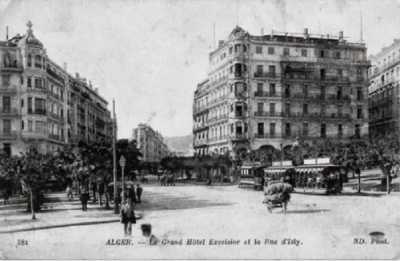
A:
[251,175]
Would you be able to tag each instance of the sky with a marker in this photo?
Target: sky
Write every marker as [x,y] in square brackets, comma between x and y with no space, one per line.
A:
[149,55]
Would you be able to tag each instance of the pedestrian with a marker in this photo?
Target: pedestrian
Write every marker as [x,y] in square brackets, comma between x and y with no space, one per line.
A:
[146,232]
[84,199]
[69,193]
[94,190]
[101,192]
[128,216]
[7,195]
[139,192]
[132,194]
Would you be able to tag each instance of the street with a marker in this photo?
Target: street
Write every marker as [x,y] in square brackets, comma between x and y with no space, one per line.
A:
[217,217]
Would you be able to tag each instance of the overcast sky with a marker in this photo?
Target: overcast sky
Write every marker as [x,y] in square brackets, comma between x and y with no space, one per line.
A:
[149,55]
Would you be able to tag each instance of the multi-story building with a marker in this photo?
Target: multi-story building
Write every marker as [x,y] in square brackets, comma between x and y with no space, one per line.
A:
[41,104]
[271,90]
[384,95]
[150,143]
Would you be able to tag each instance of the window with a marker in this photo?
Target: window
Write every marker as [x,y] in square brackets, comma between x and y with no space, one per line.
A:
[40,106]
[260,107]
[287,108]
[7,149]
[272,129]
[259,49]
[271,50]
[286,51]
[304,52]
[271,69]
[40,126]
[6,104]
[305,108]
[305,129]
[340,130]
[260,128]
[230,50]
[38,83]
[305,91]
[22,103]
[7,126]
[5,79]
[322,92]
[359,112]
[260,69]
[340,72]
[272,108]
[357,131]
[322,73]
[29,82]
[288,130]
[287,91]
[259,88]
[22,124]
[323,130]
[322,53]
[359,94]
[29,104]
[272,89]
[239,130]
[339,93]
[29,61]
[38,61]
[337,55]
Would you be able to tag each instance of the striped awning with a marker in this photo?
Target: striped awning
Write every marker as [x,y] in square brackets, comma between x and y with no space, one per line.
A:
[274,170]
[312,170]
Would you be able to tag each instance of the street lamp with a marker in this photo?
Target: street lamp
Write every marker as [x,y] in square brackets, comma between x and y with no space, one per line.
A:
[122,162]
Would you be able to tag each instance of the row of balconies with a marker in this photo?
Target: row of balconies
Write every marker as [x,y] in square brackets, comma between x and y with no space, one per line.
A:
[312,115]
[8,111]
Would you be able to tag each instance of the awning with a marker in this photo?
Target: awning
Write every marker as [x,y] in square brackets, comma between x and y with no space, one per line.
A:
[274,170]
[312,170]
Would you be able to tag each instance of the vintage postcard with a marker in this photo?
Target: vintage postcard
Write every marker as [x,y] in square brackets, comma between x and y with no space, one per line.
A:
[199,129]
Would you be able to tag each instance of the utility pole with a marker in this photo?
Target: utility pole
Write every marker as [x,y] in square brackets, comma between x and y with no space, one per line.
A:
[122,162]
[114,134]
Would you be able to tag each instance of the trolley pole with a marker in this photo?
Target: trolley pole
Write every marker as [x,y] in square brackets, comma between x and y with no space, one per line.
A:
[114,122]
[281,145]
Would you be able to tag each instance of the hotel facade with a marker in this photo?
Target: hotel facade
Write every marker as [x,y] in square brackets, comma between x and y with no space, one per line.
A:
[269,91]
[41,104]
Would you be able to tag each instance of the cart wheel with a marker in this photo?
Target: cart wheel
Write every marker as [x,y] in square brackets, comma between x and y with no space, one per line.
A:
[269,209]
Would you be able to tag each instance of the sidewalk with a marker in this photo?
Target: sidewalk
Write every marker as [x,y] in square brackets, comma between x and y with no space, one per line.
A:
[59,212]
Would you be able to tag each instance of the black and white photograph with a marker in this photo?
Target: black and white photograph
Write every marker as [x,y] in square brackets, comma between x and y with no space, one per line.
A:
[199,129]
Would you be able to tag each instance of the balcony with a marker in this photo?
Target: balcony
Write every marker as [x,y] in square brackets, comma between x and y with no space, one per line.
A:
[238,137]
[265,75]
[8,135]
[8,89]
[266,94]
[267,114]
[266,136]
[11,68]
[37,111]
[8,111]
[318,116]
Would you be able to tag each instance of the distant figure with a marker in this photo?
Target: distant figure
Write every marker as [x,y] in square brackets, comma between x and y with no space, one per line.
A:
[146,232]
[139,192]
[101,192]
[69,193]
[128,216]
[94,190]
[84,199]
[7,195]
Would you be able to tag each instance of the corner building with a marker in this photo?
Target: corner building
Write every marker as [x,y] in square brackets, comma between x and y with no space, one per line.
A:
[41,104]
[384,94]
[268,91]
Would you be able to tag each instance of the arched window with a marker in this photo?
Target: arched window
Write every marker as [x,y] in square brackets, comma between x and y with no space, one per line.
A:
[38,61]
[29,62]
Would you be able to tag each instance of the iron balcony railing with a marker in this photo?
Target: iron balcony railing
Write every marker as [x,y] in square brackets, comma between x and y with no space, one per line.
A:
[266,75]
[8,134]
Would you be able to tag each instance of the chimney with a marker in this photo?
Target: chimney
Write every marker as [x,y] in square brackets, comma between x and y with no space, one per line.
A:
[96,90]
[65,66]
[77,76]
[220,43]
[306,34]
[90,84]
[7,33]
[341,35]
[262,31]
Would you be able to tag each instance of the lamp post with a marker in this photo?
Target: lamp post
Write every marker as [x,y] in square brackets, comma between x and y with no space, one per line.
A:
[122,162]
[281,146]
[114,134]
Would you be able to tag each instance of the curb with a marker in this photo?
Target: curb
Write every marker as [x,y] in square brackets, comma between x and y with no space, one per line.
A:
[86,223]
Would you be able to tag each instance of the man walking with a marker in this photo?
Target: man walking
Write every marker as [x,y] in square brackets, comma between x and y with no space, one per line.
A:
[84,199]
[139,191]
[128,216]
